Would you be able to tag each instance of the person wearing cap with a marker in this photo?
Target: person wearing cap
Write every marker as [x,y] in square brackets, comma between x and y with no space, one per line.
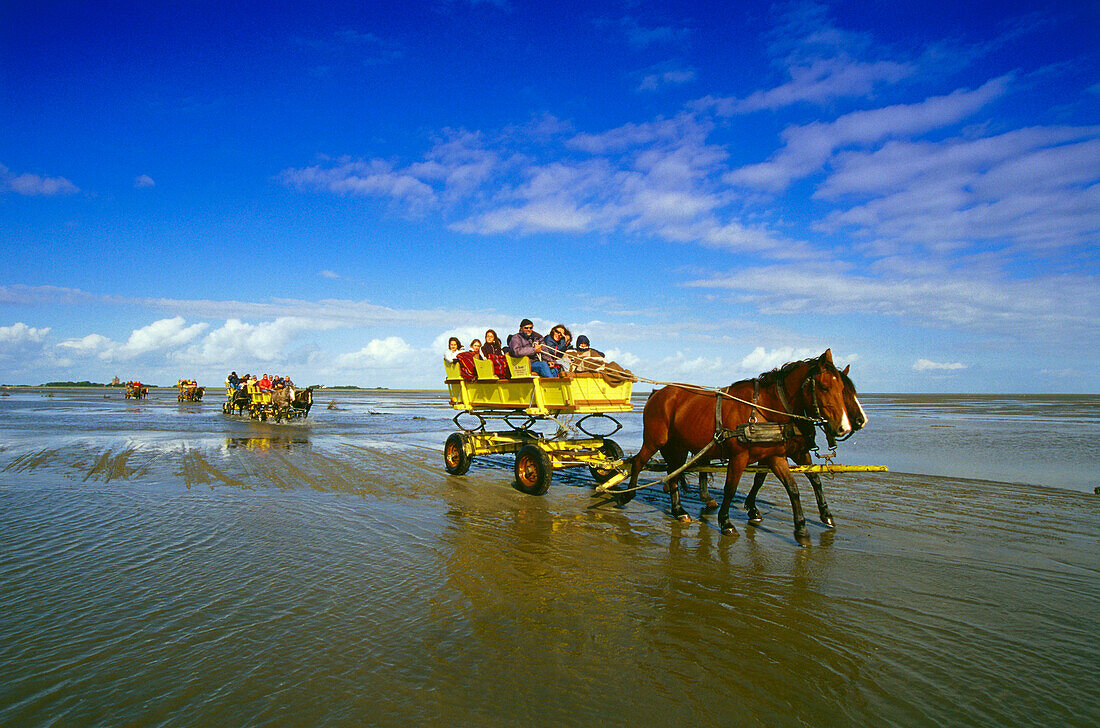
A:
[526,342]
[583,345]
[584,358]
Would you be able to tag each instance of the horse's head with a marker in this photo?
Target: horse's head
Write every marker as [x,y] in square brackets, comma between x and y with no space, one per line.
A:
[303,399]
[824,391]
[856,415]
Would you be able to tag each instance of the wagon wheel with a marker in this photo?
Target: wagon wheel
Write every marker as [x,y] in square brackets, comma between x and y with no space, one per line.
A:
[263,415]
[455,457]
[533,470]
[611,451]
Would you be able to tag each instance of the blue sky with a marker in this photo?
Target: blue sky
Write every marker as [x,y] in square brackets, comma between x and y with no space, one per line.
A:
[706,190]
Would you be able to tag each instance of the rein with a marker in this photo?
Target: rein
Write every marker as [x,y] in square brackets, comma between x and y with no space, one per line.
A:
[720,392]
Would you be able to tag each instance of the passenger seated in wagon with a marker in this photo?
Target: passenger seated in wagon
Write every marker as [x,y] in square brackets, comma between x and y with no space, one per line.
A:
[526,342]
[556,345]
[491,346]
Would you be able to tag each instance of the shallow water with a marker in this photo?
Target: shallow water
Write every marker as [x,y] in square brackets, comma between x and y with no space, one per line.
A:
[163,564]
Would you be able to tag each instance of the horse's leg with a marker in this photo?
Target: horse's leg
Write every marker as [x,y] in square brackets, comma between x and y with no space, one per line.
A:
[625,496]
[704,492]
[822,506]
[736,466]
[782,471]
[675,458]
[819,492]
[750,499]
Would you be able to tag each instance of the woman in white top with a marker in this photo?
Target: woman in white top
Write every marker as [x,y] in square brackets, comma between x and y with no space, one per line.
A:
[453,347]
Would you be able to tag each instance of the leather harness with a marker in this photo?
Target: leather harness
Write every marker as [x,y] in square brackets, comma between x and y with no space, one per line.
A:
[757,432]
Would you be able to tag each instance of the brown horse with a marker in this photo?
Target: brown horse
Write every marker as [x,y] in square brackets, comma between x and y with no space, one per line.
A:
[858,419]
[678,420]
[288,397]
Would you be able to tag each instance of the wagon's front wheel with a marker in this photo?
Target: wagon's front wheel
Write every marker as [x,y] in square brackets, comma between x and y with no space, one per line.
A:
[455,457]
[533,470]
[611,451]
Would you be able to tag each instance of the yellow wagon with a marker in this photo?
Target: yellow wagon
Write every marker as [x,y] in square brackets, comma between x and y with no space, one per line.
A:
[523,399]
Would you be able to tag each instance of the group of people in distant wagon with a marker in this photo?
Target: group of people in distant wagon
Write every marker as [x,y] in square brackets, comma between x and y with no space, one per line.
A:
[264,383]
[551,356]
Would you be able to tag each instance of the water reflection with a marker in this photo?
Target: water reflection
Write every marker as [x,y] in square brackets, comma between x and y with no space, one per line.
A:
[268,442]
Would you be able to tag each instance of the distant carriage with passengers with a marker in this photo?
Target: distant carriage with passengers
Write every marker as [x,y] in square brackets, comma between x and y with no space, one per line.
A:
[764,420]
[260,403]
[136,390]
[189,391]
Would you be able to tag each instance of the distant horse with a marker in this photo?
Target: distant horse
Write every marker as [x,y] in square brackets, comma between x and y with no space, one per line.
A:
[762,420]
[858,419]
[136,391]
[286,398]
[241,401]
[303,400]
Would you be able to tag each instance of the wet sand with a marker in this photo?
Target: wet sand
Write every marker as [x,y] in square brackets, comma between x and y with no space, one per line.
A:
[166,565]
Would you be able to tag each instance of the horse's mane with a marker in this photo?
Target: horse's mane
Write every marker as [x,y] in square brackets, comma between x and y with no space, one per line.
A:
[779,374]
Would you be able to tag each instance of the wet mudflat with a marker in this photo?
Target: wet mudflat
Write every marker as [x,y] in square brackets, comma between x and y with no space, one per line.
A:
[163,564]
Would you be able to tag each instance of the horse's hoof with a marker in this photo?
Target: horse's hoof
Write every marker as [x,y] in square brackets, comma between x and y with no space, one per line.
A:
[711,504]
[679,513]
[828,521]
[802,535]
[728,529]
[622,497]
[755,518]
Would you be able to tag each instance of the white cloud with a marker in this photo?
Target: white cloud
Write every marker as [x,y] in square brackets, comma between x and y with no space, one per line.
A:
[624,358]
[807,148]
[329,274]
[20,333]
[160,337]
[389,353]
[926,365]
[375,178]
[144,181]
[1057,307]
[818,81]
[658,78]
[1026,188]
[164,334]
[761,360]
[267,342]
[90,344]
[640,36]
[33,185]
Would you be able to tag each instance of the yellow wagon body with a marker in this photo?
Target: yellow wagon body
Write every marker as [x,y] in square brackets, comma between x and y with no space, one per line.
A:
[577,393]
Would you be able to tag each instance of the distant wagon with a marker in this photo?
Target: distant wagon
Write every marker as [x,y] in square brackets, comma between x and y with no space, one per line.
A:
[136,390]
[189,391]
[285,403]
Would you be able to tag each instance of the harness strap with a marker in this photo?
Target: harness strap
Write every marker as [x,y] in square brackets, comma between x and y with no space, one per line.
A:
[721,432]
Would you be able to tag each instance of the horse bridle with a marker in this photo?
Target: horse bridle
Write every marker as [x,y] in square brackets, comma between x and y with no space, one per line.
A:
[805,424]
